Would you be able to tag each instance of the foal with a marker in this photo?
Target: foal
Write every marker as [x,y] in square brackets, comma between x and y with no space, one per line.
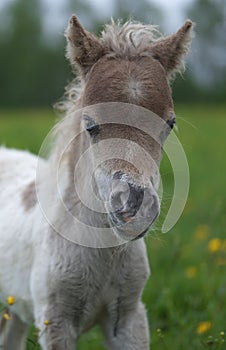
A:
[48,261]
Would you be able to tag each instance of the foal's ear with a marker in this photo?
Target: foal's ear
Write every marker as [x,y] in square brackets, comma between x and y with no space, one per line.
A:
[83,48]
[172,50]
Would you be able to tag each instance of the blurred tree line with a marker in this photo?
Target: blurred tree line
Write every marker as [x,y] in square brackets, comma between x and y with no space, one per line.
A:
[33,69]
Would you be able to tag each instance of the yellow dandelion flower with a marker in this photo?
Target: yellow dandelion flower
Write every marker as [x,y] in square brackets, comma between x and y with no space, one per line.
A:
[6,316]
[202,232]
[203,327]
[214,245]
[10,300]
[222,334]
[191,272]
[46,322]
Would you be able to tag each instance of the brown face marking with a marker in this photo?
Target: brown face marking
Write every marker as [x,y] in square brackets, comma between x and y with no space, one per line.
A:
[142,81]
[29,198]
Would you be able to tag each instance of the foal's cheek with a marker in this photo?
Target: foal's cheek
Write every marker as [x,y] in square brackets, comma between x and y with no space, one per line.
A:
[156,154]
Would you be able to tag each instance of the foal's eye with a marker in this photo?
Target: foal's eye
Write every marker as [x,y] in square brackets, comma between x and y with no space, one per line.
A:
[171,122]
[91,125]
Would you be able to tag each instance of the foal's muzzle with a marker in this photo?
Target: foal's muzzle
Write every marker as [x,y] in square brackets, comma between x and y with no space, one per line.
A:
[133,207]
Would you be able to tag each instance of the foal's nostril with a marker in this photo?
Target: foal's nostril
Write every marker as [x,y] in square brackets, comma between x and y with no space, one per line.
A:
[150,206]
[135,199]
[125,204]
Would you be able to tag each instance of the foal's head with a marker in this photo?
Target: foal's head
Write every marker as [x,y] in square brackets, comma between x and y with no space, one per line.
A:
[127,66]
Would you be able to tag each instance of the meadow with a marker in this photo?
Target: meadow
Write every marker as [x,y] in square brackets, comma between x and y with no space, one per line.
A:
[186,294]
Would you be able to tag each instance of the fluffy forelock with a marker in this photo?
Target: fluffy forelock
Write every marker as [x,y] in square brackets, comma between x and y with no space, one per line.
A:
[129,39]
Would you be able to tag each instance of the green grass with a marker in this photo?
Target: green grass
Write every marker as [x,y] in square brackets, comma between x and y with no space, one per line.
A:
[188,283]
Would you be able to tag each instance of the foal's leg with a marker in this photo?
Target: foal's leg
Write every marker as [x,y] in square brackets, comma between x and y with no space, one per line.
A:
[58,333]
[56,337]
[52,310]
[13,333]
[128,331]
